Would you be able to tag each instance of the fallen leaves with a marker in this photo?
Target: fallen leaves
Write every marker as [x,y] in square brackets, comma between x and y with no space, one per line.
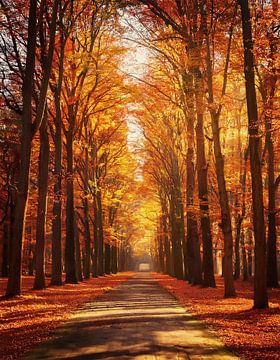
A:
[251,334]
[30,318]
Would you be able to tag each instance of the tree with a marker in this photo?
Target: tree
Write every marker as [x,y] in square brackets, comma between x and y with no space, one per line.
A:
[260,289]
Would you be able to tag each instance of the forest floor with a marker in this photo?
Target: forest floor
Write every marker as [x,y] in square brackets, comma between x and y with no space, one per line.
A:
[30,318]
[252,334]
[33,317]
[137,320]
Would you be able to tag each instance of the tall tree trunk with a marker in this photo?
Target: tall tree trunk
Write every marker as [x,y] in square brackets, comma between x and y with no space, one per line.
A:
[100,235]
[87,240]
[14,280]
[244,257]
[78,251]
[225,211]
[56,278]
[70,260]
[250,255]
[86,218]
[168,267]
[177,220]
[272,269]
[237,247]
[226,226]
[193,270]
[208,265]
[95,261]
[114,259]
[164,226]
[260,278]
[107,259]
[43,180]
[5,250]
[161,247]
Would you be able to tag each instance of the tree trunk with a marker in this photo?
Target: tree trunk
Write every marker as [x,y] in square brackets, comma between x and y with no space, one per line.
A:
[161,249]
[168,268]
[237,248]
[176,238]
[56,222]
[229,290]
[87,240]
[43,180]
[100,235]
[260,278]
[244,257]
[14,280]
[250,255]
[272,269]
[208,265]
[78,251]
[86,218]
[192,260]
[70,262]
[95,238]
[114,259]
[5,251]
[107,259]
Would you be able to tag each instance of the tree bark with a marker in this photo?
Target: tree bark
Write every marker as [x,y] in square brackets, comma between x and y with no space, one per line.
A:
[107,259]
[95,238]
[70,259]
[260,278]
[87,262]
[177,220]
[100,235]
[43,180]
[78,251]
[244,257]
[268,97]
[208,265]
[5,251]
[193,270]
[56,278]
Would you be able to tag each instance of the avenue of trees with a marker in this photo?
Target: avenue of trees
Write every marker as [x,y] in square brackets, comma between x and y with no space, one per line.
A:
[201,185]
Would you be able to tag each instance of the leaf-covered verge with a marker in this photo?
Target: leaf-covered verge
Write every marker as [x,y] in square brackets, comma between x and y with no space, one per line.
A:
[251,334]
[29,319]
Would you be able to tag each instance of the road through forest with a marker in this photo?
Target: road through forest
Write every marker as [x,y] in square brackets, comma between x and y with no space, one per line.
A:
[137,320]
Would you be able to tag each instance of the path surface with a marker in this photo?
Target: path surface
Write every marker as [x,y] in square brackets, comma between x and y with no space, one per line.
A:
[137,320]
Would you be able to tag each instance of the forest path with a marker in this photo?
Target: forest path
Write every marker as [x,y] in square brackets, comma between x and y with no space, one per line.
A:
[137,320]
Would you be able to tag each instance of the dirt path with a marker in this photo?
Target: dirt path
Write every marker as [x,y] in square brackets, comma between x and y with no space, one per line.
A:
[137,320]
